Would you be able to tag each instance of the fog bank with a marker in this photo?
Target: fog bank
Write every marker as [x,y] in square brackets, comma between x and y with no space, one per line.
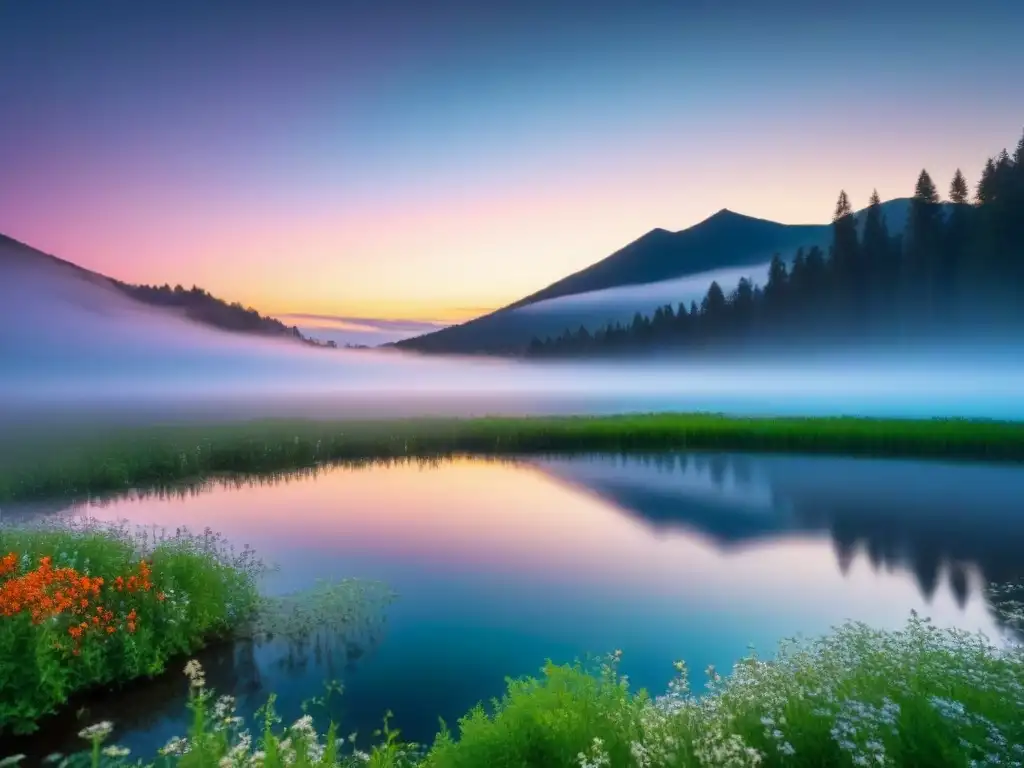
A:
[71,342]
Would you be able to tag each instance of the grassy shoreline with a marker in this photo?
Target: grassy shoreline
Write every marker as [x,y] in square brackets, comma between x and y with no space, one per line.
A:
[87,606]
[145,457]
[90,608]
[918,696]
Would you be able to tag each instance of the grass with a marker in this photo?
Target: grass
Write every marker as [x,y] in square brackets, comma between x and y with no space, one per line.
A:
[115,460]
[919,696]
[84,606]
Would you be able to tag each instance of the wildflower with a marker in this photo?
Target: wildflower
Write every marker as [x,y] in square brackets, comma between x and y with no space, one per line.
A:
[115,751]
[223,708]
[304,726]
[97,732]
[196,676]
[176,747]
[600,759]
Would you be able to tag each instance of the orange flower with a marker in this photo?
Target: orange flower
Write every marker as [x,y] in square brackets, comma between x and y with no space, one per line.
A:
[8,564]
[48,593]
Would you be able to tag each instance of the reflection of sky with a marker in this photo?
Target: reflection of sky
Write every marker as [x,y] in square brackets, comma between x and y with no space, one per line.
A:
[485,525]
[500,566]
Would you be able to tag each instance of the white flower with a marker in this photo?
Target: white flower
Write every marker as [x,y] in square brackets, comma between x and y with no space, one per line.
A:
[116,751]
[176,747]
[194,673]
[97,732]
[224,706]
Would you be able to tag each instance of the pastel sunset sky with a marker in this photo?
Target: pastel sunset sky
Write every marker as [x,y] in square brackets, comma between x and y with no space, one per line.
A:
[417,161]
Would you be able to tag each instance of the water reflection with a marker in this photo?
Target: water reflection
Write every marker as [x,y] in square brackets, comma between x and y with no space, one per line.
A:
[500,564]
[923,517]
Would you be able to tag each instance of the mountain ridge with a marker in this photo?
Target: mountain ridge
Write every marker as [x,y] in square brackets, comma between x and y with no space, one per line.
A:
[724,240]
[195,304]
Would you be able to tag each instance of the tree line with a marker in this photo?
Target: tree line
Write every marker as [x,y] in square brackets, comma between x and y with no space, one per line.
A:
[957,267]
[206,308]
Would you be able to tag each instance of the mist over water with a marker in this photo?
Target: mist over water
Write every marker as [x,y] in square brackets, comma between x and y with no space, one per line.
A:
[70,341]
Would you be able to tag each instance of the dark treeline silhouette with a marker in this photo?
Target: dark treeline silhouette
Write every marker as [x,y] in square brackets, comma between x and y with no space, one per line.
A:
[206,308]
[957,268]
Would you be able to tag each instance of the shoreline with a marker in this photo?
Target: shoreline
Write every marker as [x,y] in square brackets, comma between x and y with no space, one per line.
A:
[142,457]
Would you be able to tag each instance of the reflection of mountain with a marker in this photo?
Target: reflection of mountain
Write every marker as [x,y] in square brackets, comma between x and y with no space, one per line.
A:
[669,491]
[928,518]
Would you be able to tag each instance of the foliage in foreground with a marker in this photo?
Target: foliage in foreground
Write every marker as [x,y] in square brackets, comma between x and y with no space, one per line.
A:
[85,605]
[921,696]
[141,458]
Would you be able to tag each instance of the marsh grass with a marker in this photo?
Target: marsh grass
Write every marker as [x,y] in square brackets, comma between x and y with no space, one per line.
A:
[919,696]
[329,608]
[161,456]
[87,605]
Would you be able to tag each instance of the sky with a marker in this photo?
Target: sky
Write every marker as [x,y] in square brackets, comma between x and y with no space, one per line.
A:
[415,162]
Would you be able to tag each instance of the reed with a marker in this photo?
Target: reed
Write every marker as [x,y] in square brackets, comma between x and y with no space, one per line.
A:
[138,458]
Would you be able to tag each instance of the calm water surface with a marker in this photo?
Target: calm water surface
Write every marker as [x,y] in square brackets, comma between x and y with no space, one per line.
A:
[500,565]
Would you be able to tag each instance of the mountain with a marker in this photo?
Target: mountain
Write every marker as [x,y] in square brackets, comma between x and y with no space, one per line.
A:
[725,239]
[722,247]
[41,276]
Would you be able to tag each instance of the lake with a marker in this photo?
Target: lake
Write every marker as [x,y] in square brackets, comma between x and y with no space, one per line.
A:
[498,565]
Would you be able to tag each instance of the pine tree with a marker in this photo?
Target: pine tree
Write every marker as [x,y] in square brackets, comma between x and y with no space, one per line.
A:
[985,189]
[1014,214]
[713,307]
[816,276]
[924,234]
[798,287]
[882,273]
[846,268]
[952,275]
[958,192]
[925,190]
[777,288]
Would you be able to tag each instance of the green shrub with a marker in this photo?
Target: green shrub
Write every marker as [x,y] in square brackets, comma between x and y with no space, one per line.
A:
[89,605]
[921,696]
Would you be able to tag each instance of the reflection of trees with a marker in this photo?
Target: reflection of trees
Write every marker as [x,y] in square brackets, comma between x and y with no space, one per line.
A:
[944,547]
[950,542]
[935,548]
[37,511]
[1007,604]
[938,548]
